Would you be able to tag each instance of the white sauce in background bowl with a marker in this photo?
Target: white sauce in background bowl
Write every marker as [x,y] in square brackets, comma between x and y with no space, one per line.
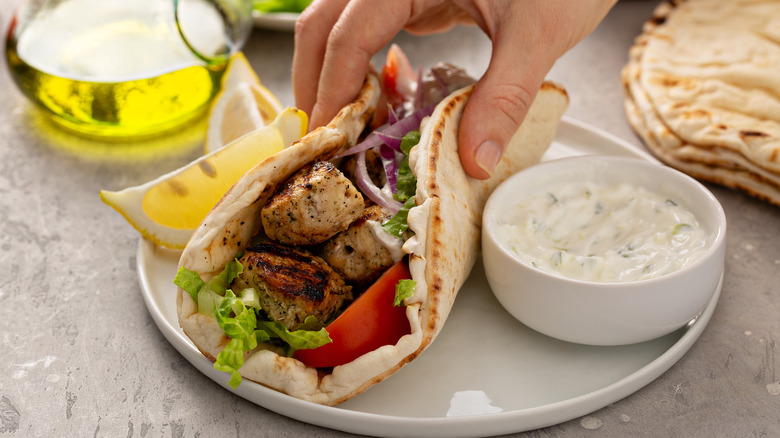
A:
[602,232]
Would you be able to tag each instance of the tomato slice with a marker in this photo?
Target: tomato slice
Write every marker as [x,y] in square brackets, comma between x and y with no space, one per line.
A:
[370,322]
[398,77]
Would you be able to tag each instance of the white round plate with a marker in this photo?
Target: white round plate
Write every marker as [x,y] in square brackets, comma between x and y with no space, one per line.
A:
[284,21]
[486,373]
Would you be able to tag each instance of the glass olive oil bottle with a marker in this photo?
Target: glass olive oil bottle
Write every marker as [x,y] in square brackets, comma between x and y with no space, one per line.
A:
[113,68]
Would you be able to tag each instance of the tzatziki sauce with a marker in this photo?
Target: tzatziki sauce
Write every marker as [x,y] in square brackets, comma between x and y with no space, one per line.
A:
[603,232]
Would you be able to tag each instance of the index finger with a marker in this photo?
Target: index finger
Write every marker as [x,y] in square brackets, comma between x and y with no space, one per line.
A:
[359,32]
[311,36]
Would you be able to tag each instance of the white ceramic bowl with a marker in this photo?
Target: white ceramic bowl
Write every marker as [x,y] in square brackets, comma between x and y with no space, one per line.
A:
[598,313]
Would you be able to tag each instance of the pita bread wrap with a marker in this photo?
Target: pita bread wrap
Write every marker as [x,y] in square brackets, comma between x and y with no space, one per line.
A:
[445,245]
[702,90]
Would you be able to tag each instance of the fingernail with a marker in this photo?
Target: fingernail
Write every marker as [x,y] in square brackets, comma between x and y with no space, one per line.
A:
[487,156]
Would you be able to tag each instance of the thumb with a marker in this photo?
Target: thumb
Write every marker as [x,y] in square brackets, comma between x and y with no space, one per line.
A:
[492,115]
[527,39]
[496,108]
[501,99]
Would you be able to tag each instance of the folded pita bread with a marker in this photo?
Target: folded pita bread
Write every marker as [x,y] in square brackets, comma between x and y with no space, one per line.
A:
[702,90]
[445,245]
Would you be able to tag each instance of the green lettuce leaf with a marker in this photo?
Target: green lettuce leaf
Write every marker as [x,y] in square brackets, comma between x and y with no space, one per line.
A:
[406,183]
[221,282]
[397,225]
[237,316]
[230,359]
[297,339]
[409,141]
[311,323]
[192,283]
[208,299]
[239,323]
[404,289]
[189,281]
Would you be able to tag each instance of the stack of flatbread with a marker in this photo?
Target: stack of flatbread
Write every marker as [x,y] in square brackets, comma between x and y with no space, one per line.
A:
[702,89]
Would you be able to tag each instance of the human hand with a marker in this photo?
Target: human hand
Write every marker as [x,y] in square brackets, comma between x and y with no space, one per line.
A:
[335,40]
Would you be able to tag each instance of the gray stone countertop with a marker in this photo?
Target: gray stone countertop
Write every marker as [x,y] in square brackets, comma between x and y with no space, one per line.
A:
[81,356]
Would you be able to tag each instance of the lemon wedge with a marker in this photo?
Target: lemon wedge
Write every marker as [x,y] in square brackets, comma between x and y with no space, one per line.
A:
[242,105]
[168,209]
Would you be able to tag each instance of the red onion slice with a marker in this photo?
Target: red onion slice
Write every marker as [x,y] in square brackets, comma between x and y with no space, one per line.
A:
[382,197]
[390,140]
[390,163]
[399,129]
[392,116]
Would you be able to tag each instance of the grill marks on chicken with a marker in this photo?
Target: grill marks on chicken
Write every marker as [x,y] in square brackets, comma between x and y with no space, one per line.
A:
[313,205]
[321,246]
[356,253]
[292,284]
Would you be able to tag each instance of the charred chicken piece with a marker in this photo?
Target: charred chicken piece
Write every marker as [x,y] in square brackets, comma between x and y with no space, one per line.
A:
[313,205]
[356,253]
[292,284]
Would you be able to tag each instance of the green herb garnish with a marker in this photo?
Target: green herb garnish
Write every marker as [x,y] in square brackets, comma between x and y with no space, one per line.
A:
[403,290]
[271,6]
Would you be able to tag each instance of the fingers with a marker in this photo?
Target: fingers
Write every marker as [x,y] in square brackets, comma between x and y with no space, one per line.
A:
[360,31]
[527,39]
[335,40]
[438,18]
[311,36]
[502,97]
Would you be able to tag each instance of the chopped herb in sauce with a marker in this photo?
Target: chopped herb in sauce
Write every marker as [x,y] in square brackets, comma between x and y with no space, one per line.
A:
[601,232]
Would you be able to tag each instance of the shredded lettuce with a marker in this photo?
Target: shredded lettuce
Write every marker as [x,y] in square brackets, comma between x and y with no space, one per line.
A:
[406,183]
[406,186]
[403,290]
[207,299]
[409,141]
[296,339]
[238,318]
[397,225]
[241,329]
[192,283]
[311,323]
[250,298]
[189,281]
[221,283]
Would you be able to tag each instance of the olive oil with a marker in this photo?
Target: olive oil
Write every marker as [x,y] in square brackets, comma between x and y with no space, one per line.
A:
[122,109]
[119,74]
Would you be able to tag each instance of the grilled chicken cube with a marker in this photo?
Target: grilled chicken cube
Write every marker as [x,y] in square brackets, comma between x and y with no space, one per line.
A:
[357,253]
[292,284]
[313,205]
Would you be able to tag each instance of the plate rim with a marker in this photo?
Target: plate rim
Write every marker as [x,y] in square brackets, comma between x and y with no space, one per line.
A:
[479,425]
